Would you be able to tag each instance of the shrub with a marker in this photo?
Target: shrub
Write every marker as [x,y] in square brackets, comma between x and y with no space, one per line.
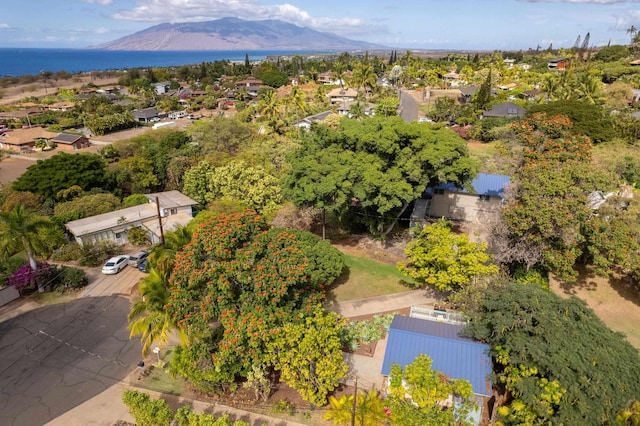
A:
[72,277]
[536,275]
[69,251]
[137,236]
[147,411]
[95,254]
[8,267]
[25,278]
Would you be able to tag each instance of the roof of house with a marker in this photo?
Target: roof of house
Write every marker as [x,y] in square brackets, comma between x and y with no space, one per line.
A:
[314,118]
[468,90]
[339,92]
[122,217]
[556,60]
[25,136]
[171,199]
[455,356]
[636,62]
[67,138]
[483,184]
[145,113]
[505,109]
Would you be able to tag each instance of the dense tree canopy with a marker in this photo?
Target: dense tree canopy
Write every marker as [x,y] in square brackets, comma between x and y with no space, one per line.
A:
[448,261]
[61,171]
[548,205]
[558,361]
[372,169]
[235,284]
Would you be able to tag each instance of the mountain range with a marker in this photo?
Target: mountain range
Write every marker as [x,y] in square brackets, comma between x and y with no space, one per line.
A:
[234,34]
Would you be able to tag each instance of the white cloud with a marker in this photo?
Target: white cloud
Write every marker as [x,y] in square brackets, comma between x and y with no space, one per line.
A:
[4,26]
[101,30]
[157,11]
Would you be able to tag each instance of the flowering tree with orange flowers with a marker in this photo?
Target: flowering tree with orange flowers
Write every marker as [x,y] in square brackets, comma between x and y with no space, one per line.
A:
[549,202]
[235,284]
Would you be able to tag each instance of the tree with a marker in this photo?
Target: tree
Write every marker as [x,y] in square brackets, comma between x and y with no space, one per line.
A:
[20,230]
[253,187]
[369,410]
[438,257]
[308,353]
[415,394]
[249,279]
[370,171]
[388,106]
[85,206]
[548,204]
[557,361]
[483,96]
[61,171]
[364,76]
[148,317]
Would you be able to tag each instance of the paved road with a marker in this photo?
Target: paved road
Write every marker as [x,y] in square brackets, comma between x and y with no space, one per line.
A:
[106,285]
[408,107]
[57,357]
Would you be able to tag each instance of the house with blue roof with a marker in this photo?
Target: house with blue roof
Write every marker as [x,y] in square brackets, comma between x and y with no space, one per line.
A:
[482,203]
[457,357]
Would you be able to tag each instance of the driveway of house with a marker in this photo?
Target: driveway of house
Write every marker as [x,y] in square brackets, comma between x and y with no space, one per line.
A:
[408,107]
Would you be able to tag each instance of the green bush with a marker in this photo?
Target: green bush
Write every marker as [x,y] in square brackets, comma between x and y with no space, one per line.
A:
[68,252]
[72,277]
[8,267]
[137,236]
[95,254]
[147,411]
[536,275]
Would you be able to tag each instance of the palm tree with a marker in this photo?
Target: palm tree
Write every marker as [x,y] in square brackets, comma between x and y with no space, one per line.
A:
[365,77]
[297,99]
[19,229]
[269,106]
[163,256]
[590,88]
[148,317]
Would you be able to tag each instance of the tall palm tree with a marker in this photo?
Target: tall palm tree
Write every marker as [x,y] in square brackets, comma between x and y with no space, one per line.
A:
[297,99]
[590,88]
[19,229]
[148,317]
[365,77]
[269,106]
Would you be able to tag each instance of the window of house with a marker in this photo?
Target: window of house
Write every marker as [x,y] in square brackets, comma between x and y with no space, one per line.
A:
[438,191]
[173,211]
[485,198]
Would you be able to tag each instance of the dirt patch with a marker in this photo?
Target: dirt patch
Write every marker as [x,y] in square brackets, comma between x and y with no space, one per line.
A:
[389,252]
[12,168]
[615,300]
[14,94]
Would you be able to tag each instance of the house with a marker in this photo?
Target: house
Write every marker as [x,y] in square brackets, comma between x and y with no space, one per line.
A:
[21,114]
[467,92]
[483,205]
[508,86]
[251,85]
[70,142]
[317,118]
[344,110]
[558,64]
[172,208]
[340,94]
[505,110]
[146,115]
[24,140]
[635,63]
[325,78]
[61,106]
[531,95]
[162,87]
[509,62]
[456,357]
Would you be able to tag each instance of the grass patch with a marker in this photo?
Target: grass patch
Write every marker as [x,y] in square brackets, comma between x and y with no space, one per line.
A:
[53,297]
[364,277]
[157,379]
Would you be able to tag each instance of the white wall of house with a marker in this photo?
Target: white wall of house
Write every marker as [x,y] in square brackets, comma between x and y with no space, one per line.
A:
[467,207]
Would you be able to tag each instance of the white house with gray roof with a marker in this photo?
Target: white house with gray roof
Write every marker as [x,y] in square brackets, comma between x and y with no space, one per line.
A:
[175,209]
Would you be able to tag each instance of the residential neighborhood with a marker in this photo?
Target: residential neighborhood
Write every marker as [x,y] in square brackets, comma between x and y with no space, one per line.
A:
[346,238]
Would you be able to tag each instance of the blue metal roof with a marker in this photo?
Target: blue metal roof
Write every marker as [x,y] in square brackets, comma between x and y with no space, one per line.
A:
[455,356]
[483,184]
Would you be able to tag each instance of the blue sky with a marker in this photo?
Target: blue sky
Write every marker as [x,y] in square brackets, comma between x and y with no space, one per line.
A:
[424,24]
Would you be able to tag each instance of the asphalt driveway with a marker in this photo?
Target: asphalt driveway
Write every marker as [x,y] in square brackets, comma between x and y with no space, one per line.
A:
[57,357]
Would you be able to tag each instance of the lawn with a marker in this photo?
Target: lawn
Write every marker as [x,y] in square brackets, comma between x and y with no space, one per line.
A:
[365,277]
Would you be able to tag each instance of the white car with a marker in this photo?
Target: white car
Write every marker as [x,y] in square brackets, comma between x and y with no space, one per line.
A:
[115,265]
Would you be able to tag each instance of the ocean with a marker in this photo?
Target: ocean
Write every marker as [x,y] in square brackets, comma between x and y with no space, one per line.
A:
[16,61]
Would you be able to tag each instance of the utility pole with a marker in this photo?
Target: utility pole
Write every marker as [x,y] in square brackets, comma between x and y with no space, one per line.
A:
[160,221]
[353,407]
